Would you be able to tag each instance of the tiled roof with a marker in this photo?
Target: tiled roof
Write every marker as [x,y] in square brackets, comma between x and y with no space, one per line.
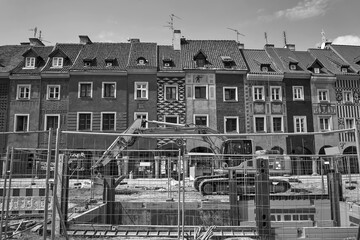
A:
[257,57]
[168,53]
[70,50]
[148,51]
[99,52]
[42,52]
[214,50]
[11,56]
[308,60]
[282,57]
[329,59]
[350,54]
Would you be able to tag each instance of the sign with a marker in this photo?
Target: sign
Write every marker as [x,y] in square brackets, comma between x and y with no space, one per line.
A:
[145,164]
[332,151]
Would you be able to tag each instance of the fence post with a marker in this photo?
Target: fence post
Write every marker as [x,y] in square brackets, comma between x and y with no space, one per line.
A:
[46,208]
[4,190]
[55,213]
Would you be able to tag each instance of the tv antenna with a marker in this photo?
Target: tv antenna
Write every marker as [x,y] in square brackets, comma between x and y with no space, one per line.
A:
[323,37]
[237,33]
[266,37]
[34,30]
[171,22]
[41,39]
[285,42]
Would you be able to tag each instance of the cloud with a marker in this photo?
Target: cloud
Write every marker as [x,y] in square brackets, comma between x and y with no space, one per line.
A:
[305,9]
[106,36]
[347,40]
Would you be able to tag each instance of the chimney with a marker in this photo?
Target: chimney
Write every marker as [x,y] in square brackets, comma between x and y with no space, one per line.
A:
[290,46]
[269,45]
[35,42]
[134,40]
[84,39]
[241,45]
[177,40]
[326,45]
[24,43]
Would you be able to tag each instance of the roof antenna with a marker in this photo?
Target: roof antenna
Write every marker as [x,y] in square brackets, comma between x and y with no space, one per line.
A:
[34,30]
[41,39]
[285,42]
[171,24]
[237,33]
[266,38]
[323,38]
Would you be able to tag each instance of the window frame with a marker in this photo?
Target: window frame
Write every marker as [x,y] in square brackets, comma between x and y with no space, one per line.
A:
[301,88]
[316,70]
[346,94]
[146,90]
[171,116]
[102,121]
[57,62]
[256,94]
[224,94]
[272,123]
[321,124]
[346,120]
[206,92]
[264,126]
[303,119]
[326,91]
[103,89]
[169,86]
[16,121]
[79,89]
[201,115]
[226,118]
[146,114]
[272,95]
[293,67]
[78,121]
[46,120]
[28,86]
[30,62]
[48,87]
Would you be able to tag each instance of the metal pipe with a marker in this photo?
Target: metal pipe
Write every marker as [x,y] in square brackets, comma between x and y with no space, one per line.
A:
[9,190]
[179,197]
[54,198]
[48,162]
[4,190]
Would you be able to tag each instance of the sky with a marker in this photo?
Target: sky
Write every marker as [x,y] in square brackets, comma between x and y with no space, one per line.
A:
[303,21]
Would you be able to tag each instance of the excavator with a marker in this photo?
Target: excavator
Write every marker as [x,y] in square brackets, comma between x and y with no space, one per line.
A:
[230,154]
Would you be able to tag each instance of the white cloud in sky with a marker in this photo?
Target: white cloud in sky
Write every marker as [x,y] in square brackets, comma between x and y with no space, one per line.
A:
[347,40]
[303,10]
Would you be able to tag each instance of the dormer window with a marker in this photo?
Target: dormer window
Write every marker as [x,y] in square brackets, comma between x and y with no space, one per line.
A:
[30,62]
[265,67]
[141,61]
[293,66]
[316,70]
[200,62]
[167,63]
[200,59]
[87,63]
[109,62]
[57,61]
[344,69]
[228,61]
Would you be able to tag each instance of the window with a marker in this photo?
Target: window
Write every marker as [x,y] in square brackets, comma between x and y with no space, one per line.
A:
[347,96]
[258,93]
[200,62]
[344,69]
[293,67]
[107,121]
[171,119]
[316,70]
[141,90]
[141,115]
[300,124]
[87,63]
[324,123]
[200,92]
[52,121]
[230,94]
[30,62]
[277,125]
[264,68]
[298,93]
[349,123]
[109,64]
[201,120]
[171,92]
[85,90]
[276,94]
[84,121]
[109,90]
[53,92]
[231,124]
[260,124]
[57,62]
[21,123]
[23,91]
[323,95]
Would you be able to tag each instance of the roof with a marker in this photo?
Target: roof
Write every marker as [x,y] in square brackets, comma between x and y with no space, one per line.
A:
[329,59]
[167,53]
[71,52]
[148,51]
[214,50]
[42,53]
[99,52]
[255,58]
[310,61]
[11,56]
[349,53]
[282,57]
